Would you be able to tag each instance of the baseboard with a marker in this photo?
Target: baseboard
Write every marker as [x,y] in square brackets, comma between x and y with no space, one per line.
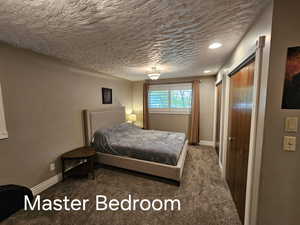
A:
[220,165]
[206,143]
[50,182]
[46,184]
[3,135]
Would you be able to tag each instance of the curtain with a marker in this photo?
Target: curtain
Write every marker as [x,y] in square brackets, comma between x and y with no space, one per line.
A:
[145,106]
[195,119]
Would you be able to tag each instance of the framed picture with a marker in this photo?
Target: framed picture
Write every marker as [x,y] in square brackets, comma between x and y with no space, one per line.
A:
[291,90]
[106,96]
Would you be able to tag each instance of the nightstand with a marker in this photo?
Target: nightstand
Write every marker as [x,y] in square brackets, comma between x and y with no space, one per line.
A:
[86,155]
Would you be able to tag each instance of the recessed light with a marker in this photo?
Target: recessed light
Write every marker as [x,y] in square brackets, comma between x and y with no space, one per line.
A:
[206,71]
[215,45]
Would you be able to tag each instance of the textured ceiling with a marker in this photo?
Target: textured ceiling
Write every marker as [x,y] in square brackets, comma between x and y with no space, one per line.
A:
[125,38]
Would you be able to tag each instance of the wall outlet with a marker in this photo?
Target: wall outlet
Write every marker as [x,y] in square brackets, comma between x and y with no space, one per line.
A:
[52,166]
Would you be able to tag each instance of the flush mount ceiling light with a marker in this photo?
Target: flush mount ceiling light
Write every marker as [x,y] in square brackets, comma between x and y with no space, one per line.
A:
[206,71]
[155,74]
[215,45]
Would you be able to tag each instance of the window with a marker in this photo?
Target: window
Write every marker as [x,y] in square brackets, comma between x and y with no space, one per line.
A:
[173,98]
[3,132]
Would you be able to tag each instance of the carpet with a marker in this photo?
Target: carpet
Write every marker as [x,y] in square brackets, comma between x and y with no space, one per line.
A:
[205,198]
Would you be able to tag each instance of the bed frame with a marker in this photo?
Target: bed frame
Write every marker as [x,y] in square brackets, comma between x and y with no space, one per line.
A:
[107,117]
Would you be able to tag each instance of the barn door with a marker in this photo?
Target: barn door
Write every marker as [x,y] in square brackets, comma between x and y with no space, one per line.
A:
[240,110]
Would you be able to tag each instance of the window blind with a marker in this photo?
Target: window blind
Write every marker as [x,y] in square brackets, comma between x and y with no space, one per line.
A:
[172,98]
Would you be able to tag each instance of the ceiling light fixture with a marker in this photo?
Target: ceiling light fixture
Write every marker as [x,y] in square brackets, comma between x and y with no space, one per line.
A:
[215,45]
[206,71]
[155,74]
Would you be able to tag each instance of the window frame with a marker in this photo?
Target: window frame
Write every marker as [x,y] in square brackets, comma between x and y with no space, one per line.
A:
[169,87]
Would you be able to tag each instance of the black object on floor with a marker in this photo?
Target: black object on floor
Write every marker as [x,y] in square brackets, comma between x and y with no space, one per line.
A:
[12,199]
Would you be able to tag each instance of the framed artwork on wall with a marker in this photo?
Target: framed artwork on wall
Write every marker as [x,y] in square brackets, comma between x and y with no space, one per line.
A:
[106,96]
[291,90]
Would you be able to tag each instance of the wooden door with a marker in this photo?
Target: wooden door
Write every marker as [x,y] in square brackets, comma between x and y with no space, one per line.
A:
[241,99]
[218,128]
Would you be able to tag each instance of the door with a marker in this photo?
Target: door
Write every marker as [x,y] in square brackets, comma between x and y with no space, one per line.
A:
[218,128]
[241,103]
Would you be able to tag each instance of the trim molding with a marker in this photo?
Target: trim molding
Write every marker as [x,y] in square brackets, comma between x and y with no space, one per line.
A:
[221,166]
[218,82]
[50,182]
[206,143]
[3,128]
[46,184]
[246,61]
[215,117]
[256,138]
[3,135]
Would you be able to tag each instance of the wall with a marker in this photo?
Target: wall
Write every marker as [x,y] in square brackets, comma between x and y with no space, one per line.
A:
[247,46]
[280,175]
[279,196]
[43,102]
[262,26]
[137,101]
[207,104]
[166,121]
[169,122]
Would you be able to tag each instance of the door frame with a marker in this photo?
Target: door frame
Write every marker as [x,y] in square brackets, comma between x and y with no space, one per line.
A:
[257,126]
[218,82]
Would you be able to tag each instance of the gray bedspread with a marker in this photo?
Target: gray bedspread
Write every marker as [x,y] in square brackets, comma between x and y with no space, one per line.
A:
[129,140]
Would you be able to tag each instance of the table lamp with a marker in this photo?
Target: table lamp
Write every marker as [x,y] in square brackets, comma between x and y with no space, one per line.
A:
[132,118]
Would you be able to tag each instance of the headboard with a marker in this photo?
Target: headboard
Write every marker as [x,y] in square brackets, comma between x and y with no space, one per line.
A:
[101,118]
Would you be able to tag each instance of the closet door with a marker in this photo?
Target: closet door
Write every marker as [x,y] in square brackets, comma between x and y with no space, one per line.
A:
[241,103]
[218,128]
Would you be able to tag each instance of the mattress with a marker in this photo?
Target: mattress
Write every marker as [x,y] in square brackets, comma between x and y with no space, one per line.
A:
[131,141]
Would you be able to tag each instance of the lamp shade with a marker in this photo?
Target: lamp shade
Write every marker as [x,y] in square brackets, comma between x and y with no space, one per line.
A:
[132,117]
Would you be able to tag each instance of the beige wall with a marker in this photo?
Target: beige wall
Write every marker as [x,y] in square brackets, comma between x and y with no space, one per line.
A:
[262,26]
[169,122]
[280,177]
[43,101]
[180,122]
[279,195]
[137,101]
[207,104]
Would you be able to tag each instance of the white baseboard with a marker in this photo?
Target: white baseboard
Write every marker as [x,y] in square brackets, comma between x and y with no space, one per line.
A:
[221,166]
[46,184]
[3,135]
[50,182]
[206,143]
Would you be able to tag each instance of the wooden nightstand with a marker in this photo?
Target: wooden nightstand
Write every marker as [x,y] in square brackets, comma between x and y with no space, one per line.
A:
[87,154]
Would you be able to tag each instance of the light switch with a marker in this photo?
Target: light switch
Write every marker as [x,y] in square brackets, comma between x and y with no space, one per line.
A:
[291,124]
[289,144]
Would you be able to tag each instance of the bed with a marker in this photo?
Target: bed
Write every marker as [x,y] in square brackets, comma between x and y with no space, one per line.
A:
[152,152]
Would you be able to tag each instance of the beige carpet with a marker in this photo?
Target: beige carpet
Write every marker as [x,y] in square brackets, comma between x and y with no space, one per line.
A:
[205,199]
